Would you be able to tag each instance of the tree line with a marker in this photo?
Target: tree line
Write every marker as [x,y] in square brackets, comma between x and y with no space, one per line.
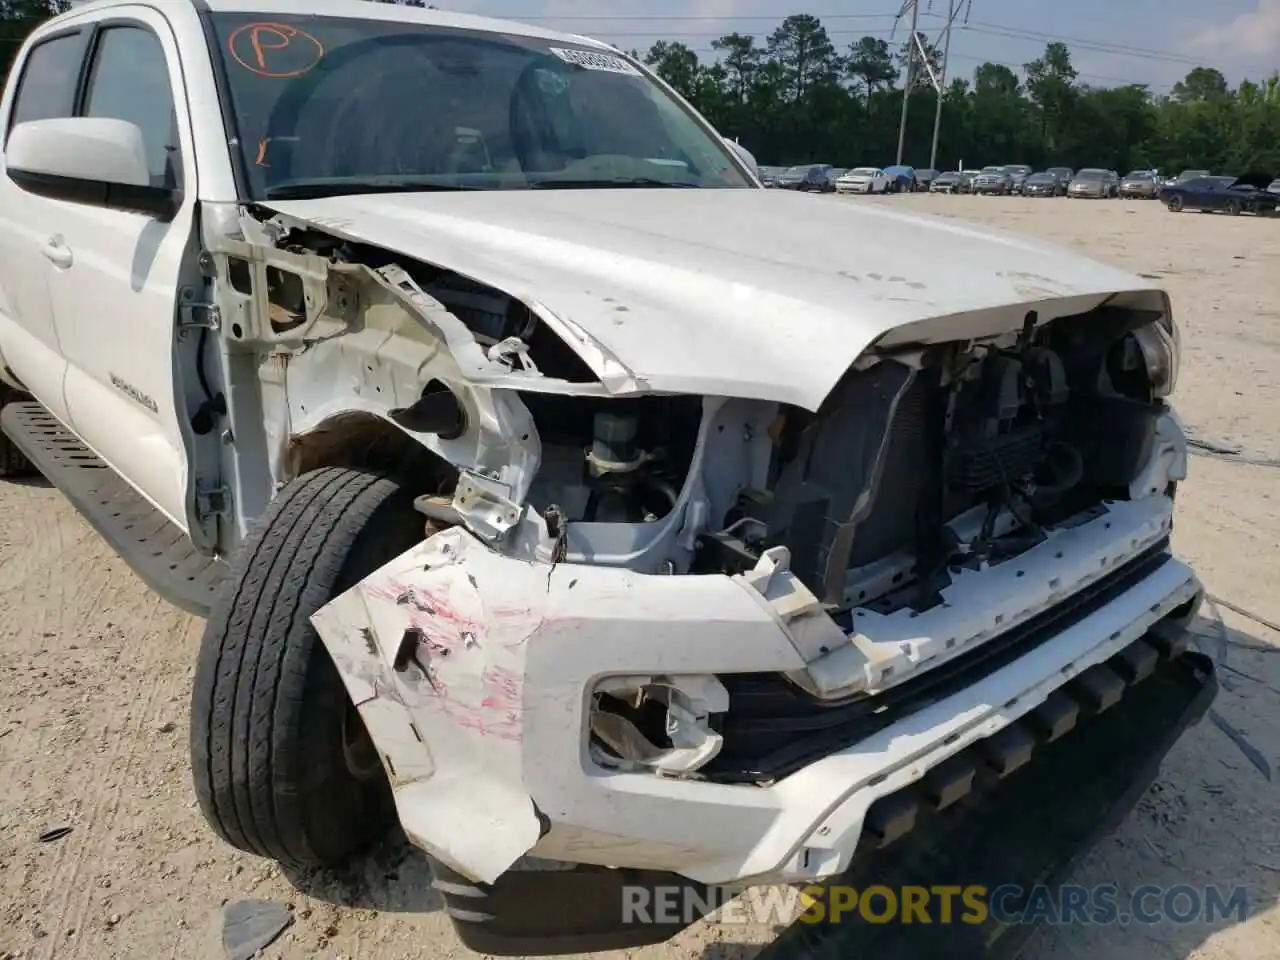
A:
[17,19]
[795,98]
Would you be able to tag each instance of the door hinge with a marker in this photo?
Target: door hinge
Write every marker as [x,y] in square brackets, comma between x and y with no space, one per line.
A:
[212,501]
[196,314]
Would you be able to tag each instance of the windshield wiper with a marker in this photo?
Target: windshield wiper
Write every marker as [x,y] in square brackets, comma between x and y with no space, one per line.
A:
[568,184]
[316,189]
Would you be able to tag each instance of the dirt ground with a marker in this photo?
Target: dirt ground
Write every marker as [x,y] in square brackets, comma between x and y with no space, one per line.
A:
[94,677]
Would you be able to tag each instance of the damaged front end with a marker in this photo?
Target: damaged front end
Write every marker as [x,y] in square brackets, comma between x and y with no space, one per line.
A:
[638,623]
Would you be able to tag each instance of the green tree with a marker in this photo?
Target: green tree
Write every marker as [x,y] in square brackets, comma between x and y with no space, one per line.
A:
[677,64]
[1202,83]
[869,66]
[17,19]
[1051,87]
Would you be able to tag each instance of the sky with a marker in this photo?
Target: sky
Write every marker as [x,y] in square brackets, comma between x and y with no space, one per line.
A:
[1117,41]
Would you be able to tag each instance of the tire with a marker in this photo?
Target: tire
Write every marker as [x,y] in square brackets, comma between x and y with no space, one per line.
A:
[13,463]
[1174,204]
[1231,208]
[281,763]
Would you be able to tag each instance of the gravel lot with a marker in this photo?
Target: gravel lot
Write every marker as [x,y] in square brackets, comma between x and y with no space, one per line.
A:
[94,677]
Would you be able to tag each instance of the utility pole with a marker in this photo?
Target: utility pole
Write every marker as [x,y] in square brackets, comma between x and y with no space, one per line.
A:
[953,8]
[914,6]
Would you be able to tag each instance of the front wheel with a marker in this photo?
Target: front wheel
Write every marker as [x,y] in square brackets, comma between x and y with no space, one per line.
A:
[281,762]
[1174,204]
[1232,208]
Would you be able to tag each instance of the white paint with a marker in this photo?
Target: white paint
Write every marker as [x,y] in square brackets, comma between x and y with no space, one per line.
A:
[679,287]
[555,632]
[83,148]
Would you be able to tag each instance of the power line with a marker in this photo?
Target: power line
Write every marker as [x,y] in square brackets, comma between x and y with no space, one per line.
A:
[888,15]
[979,26]
[988,28]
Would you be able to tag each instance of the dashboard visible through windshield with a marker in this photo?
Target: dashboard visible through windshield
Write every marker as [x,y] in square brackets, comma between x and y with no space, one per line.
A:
[327,105]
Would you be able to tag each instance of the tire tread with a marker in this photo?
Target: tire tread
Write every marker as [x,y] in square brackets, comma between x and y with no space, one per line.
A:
[258,661]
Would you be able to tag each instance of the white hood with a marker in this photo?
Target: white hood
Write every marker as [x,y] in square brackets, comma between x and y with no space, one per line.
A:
[757,294]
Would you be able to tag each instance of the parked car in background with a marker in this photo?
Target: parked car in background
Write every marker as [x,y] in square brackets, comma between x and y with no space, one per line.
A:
[946,182]
[1041,185]
[966,180]
[1140,183]
[925,178]
[902,179]
[993,180]
[1090,183]
[1273,186]
[1064,175]
[862,180]
[1230,195]
[805,176]
[1018,173]
[769,176]
[834,174]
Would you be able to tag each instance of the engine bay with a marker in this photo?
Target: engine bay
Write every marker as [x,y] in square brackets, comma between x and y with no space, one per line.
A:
[919,465]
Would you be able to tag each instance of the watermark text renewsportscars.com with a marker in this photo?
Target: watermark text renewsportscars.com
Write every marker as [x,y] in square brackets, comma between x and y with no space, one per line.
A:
[938,904]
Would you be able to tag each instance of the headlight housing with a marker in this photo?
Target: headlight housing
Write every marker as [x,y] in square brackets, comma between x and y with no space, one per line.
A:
[1161,346]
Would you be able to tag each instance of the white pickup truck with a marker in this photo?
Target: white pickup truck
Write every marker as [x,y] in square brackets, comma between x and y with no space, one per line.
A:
[533,501]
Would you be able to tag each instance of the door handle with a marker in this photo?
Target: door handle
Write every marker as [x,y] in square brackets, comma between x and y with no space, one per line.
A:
[57,252]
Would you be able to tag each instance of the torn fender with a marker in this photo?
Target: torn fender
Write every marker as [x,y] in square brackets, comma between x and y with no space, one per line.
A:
[436,672]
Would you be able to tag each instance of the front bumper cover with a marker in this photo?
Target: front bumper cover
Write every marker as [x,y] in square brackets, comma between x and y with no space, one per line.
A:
[474,673]
[993,833]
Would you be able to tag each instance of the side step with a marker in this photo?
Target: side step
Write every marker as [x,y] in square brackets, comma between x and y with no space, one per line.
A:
[159,552]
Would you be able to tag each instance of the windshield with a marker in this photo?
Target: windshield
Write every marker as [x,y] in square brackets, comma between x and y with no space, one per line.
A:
[1139,175]
[798,171]
[1091,175]
[993,169]
[330,105]
[863,172]
[1041,178]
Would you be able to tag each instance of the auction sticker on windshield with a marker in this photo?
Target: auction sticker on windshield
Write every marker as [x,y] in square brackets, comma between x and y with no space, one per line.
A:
[594,60]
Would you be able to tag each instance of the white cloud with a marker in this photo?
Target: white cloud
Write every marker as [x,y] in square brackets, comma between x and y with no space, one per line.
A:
[1255,34]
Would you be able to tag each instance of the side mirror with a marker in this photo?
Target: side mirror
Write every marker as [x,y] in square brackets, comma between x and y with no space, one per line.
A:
[745,156]
[91,160]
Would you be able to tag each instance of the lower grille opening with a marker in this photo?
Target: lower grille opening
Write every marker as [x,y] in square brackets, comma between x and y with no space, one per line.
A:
[773,728]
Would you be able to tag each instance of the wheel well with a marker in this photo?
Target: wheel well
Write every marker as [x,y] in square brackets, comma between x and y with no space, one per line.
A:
[361,439]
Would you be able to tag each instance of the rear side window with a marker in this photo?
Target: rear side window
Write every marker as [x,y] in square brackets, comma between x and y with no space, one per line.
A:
[49,78]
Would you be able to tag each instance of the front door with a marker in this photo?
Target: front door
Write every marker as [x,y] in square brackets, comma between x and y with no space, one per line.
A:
[114,295]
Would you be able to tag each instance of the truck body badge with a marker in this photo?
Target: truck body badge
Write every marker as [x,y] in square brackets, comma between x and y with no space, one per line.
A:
[133,392]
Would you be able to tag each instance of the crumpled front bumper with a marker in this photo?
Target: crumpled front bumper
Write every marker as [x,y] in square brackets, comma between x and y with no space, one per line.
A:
[474,674]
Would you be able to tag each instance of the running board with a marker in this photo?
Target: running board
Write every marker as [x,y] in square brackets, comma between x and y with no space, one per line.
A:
[157,550]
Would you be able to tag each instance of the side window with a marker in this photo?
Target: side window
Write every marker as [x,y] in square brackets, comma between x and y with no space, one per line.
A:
[129,80]
[49,76]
